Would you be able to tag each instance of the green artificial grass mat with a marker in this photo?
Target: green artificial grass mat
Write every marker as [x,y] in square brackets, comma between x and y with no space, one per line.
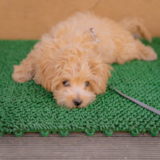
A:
[28,107]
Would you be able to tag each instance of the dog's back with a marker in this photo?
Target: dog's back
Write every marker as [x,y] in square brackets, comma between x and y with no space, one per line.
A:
[112,35]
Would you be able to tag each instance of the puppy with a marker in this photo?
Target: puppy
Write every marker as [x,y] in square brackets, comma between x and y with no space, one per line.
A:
[73,60]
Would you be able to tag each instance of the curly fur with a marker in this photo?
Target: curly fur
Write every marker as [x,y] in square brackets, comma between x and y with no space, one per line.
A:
[69,52]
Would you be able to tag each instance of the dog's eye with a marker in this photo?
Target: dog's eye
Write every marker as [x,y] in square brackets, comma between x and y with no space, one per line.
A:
[86,84]
[66,83]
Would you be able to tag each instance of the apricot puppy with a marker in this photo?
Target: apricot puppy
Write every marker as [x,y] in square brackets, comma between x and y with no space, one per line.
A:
[73,60]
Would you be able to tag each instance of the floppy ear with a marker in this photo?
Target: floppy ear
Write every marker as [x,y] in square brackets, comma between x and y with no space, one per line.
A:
[100,74]
[49,70]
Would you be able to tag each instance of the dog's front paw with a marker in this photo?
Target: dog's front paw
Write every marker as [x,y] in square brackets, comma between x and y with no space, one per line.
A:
[20,75]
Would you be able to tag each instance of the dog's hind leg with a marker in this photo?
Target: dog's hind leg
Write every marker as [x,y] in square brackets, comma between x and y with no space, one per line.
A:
[145,52]
[136,27]
[26,70]
[135,50]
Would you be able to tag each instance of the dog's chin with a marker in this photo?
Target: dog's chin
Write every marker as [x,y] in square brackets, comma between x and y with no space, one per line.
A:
[67,99]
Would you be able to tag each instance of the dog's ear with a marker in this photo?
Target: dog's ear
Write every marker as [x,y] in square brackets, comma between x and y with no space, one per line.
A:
[50,77]
[100,74]
[50,70]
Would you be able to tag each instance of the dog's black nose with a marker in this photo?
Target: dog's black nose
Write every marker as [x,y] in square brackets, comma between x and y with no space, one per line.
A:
[77,102]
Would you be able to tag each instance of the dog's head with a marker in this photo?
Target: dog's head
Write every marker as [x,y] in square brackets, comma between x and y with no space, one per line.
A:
[74,72]
[75,76]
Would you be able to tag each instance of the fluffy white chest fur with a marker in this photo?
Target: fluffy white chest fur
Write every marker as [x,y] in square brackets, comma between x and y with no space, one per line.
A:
[74,63]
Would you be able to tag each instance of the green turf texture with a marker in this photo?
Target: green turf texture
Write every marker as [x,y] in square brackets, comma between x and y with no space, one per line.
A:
[28,107]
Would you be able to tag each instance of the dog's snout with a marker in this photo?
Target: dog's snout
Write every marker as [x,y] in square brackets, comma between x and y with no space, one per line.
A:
[77,102]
